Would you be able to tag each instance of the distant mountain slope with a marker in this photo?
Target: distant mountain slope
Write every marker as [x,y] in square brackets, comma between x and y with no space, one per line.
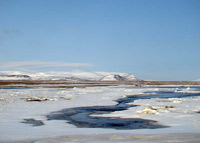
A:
[74,75]
[14,77]
[119,77]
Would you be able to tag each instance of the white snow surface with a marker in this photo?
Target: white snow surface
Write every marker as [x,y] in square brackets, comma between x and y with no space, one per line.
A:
[73,75]
[13,109]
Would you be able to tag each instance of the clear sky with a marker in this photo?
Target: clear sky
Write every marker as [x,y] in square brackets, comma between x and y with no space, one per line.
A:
[152,39]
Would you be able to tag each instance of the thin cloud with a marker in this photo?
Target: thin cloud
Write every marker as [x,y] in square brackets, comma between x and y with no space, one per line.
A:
[37,64]
[8,33]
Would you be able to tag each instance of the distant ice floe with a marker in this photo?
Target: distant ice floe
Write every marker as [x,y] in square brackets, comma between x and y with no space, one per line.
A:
[186,90]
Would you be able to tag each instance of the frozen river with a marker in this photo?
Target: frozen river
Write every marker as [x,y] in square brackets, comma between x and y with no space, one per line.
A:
[111,114]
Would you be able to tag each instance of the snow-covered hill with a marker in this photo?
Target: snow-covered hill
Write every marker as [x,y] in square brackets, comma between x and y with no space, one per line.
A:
[119,77]
[74,75]
[14,77]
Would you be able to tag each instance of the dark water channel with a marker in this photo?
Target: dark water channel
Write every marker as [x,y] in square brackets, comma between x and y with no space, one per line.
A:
[81,116]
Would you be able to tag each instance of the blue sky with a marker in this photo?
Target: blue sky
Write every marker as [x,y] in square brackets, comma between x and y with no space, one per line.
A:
[152,39]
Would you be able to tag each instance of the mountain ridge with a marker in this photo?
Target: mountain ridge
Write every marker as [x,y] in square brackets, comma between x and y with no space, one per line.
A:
[74,75]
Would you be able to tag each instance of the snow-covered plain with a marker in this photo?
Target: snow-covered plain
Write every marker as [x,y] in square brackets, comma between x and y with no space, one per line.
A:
[179,114]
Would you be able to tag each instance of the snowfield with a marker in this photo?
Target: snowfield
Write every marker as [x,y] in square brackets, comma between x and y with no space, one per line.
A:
[23,112]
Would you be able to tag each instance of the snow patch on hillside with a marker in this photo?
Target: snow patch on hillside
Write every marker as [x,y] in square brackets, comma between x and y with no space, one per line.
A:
[119,77]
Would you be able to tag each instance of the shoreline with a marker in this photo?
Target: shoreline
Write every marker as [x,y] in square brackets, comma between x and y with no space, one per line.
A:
[89,83]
